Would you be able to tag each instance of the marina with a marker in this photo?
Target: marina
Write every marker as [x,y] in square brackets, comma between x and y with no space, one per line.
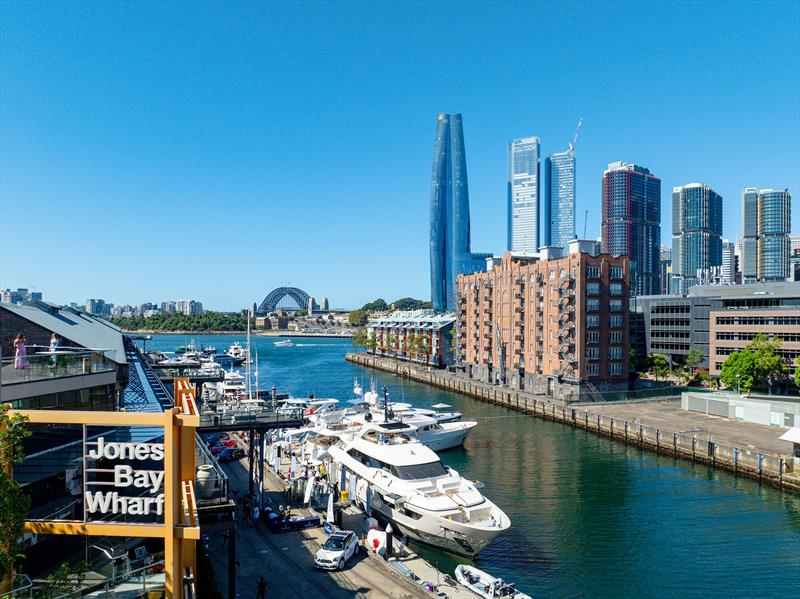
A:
[630,507]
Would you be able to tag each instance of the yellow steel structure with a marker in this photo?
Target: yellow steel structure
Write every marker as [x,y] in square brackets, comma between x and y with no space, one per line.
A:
[181,528]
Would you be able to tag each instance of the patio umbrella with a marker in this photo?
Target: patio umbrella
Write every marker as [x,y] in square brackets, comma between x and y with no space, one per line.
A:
[309,489]
[293,467]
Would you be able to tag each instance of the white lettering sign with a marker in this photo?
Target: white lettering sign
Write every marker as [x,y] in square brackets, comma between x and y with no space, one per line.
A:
[99,502]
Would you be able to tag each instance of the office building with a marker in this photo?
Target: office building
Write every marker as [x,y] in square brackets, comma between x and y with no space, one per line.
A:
[631,222]
[728,266]
[671,325]
[559,201]
[696,234]
[450,253]
[523,195]
[394,332]
[774,229]
[22,294]
[766,220]
[749,242]
[664,269]
[556,324]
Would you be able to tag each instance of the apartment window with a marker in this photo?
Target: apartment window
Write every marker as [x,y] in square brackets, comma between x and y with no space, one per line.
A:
[615,289]
[615,305]
[593,305]
[593,272]
[615,353]
[592,353]
[615,369]
[593,337]
[615,337]
[615,321]
[593,288]
[593,320]
[616,272]
[592,369]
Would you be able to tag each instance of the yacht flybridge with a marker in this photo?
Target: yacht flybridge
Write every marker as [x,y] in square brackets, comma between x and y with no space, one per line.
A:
[402,481]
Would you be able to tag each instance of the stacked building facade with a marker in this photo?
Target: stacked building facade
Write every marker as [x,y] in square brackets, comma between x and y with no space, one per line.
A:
[631,222]
[555,324]
[766,242]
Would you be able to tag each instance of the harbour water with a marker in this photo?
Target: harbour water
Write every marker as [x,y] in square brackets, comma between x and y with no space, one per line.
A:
[590,517]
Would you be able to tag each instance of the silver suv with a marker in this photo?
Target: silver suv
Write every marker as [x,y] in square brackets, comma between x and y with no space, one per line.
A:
[339,548]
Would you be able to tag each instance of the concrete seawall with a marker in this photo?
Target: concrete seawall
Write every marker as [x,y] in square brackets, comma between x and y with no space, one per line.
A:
[764,466]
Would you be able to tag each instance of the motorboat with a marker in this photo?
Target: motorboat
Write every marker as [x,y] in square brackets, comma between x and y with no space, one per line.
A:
[485,585]
[400,409]
[400,480]
[238,352]
[284,343]
[438,436]
[232,386]
[227,361]
[308,405]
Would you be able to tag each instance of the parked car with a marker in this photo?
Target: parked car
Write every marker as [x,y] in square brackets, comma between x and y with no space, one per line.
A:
[214,438]
[230,454]
[337,550]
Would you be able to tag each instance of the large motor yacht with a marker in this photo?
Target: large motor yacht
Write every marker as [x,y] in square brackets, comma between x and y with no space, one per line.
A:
[399,479]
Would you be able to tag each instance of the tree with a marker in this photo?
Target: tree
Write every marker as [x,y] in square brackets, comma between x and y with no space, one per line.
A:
[694,358]
[758,363]
[64,581]
[379,305]
[371,342]
[357,318]
[14,504]
[631,359]
[359,339]
[454,342]
[412,346]
[658,365]
[409,303]
[425,349]
[391,340]
[797,371]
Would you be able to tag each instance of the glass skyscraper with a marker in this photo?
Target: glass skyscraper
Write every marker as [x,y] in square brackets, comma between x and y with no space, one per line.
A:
[631,222]
[696,235]
[774,230]
[749,235]
[449,234]
[523,195]
[559,198]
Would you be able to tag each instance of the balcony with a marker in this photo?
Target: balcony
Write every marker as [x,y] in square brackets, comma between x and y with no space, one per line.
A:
[48,372]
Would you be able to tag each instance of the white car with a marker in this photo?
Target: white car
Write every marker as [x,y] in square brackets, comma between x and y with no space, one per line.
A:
[339,548]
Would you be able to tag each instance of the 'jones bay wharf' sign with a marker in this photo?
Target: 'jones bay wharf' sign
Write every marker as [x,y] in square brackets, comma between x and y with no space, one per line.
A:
[146,482]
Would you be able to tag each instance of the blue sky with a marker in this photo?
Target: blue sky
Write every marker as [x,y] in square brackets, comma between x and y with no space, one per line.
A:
[218,150]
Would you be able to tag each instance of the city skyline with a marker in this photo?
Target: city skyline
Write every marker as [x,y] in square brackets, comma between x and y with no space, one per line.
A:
[155,140]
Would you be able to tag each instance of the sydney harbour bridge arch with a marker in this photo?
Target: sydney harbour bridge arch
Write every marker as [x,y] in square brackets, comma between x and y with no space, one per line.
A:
[270,303]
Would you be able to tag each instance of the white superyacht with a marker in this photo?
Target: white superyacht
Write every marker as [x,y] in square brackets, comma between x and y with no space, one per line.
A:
[403,481]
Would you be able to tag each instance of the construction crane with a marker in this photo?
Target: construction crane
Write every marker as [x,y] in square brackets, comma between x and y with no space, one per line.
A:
[575,137]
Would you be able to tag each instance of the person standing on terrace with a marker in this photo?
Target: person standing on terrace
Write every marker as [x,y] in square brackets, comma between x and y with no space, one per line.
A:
[20,352]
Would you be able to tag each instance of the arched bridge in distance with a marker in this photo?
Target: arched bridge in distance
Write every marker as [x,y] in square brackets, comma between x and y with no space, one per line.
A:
[270,303]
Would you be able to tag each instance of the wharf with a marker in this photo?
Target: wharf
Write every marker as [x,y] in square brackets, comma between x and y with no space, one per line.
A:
[743,448]
[286,560]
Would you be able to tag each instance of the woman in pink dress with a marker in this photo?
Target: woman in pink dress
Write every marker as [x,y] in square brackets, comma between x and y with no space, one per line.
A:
[20,353]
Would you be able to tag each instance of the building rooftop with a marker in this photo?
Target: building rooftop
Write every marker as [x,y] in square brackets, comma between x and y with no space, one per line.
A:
[78,326]
[423,319]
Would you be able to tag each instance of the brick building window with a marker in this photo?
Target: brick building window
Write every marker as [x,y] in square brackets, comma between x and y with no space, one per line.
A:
[615,353]
[615,321]
[593,369]
[593,320]
[593,271]
[615,305]
[615,369]
[592,353]
[593,305]
[616,272]
[615,289]
[615,337]
[593,337]
[593,288]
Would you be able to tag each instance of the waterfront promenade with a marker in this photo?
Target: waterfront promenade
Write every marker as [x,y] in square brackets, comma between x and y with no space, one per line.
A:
[744,448]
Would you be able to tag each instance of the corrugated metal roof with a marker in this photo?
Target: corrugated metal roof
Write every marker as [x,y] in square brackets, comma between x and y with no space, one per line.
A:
[80,327]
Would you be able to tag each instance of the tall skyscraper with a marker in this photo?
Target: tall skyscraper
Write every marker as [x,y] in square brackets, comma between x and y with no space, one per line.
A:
[559,198]
[449,234]
[727,273]
[631,222]
[696,234]
[774,230]
[749,235]
[523,195]
[766,219]
[665,269]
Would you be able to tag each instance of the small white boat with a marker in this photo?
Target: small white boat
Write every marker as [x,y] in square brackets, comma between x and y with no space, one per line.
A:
[486,585]
[284,343]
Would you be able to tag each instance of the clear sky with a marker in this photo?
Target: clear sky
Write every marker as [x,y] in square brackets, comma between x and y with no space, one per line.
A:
[218,150]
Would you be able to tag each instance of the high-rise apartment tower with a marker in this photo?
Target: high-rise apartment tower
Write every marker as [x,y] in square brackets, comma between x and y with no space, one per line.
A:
[696,234]
[631,223]
[559,200]
[523,195]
